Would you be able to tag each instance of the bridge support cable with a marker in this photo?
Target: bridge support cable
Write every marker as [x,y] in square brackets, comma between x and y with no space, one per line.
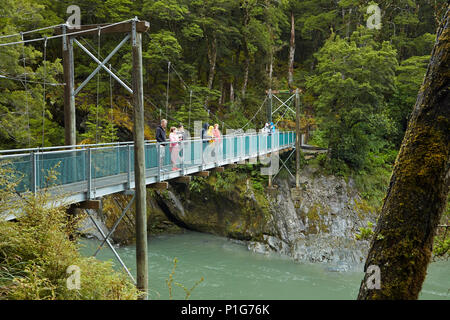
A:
[185,86]
[254,116]
[98,89]
[110,245]
[44,100]
[133,29]
[284,103]
[124,212]
[297,139]
[26,92]
[167,89]
[283,163]
[68,39]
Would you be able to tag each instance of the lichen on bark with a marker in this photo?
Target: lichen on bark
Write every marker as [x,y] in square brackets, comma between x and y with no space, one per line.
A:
[416,198]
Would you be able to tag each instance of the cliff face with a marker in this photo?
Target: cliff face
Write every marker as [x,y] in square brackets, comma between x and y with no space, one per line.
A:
[321,227]
[234,212]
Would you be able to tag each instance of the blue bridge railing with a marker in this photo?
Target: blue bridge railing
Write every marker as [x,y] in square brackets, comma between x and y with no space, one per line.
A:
[83,169]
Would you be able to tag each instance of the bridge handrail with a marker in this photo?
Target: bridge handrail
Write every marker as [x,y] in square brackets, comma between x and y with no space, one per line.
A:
[80,147]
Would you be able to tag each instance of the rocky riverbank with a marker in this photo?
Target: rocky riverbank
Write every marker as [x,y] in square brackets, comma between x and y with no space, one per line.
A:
[321,227]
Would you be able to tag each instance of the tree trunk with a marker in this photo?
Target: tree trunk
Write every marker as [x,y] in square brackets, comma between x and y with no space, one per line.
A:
[231,92]
[417,194]
[291,52]
[246,70]
[270,71]
[247,54]
[222,93]
[212,55]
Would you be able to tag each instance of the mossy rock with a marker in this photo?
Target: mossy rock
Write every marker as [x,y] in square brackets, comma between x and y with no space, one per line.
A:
[315,222]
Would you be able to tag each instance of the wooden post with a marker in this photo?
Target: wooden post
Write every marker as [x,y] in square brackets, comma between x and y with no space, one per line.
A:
[298,136]
[69,98]
[203,174]
[139,165]
[160,185]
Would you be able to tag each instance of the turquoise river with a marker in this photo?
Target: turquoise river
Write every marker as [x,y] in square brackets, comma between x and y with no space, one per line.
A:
[231,271]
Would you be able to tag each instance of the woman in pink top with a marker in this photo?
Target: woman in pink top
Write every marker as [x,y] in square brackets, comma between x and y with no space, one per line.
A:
[216,133]
[217,139]
[174,147]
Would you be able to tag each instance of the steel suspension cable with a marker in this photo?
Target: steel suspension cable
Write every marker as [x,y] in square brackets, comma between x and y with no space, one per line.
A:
[98,84]
[146,98]
[30,81]
[62,35]
[44,98]
[182,80]
[260,108]
[167,90]
[30,31]
[111,115]
[26,92]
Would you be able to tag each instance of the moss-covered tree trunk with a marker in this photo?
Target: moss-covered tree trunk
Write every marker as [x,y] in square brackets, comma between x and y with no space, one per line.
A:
[291,52]
[403,240]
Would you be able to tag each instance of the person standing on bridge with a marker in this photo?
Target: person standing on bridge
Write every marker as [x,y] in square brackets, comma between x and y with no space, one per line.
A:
[272,128]
[174,147]
[161,139]
[216,133]
[205,136]
[182,135]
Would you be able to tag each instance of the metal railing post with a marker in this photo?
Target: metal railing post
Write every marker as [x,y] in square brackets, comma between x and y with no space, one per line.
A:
[216,152]
[158,160]
[33,172]
[183,149]
[129,168]
[118,159]
[89,173]
[203,160]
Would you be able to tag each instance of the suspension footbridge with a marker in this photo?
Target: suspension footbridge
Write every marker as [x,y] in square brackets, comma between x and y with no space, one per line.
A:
[85,173]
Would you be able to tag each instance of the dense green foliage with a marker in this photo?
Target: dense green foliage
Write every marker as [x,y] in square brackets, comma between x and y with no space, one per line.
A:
[226,53]
[351,100]
[359,87]
[36,251]
[359,84]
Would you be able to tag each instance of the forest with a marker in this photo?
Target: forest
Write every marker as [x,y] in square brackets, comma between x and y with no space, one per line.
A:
[374,94]
[214,60]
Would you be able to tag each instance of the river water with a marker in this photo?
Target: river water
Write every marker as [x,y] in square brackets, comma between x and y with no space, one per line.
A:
[231,271]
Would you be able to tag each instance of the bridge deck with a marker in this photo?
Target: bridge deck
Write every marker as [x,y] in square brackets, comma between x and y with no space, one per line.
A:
[88,173]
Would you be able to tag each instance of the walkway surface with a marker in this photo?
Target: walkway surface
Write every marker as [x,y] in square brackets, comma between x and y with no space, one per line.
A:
[89,172]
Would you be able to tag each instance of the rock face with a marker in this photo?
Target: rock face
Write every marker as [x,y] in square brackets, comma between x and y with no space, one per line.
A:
[124,234]
[321,227]
[235,212]
[88,228]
